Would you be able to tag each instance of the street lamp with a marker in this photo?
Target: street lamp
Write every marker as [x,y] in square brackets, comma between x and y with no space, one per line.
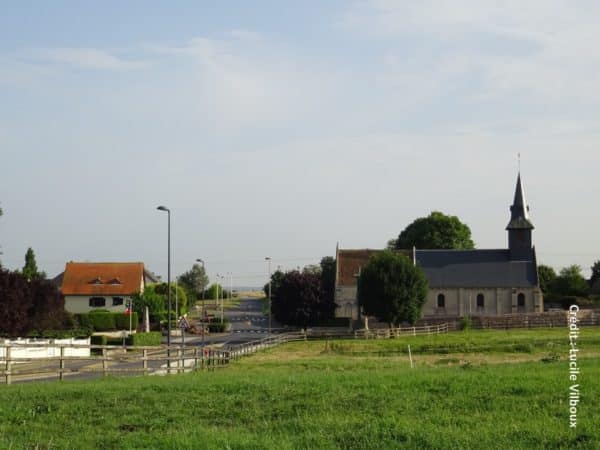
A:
[268,259]
[168,211]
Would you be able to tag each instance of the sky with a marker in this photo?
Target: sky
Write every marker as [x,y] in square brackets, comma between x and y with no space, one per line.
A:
[281,129]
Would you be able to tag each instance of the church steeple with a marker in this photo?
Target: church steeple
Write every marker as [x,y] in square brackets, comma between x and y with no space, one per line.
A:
[520,226]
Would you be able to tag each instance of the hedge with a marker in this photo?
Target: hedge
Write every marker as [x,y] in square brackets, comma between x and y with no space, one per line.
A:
[103,321]
[106,321]
[145,339]
[122,321]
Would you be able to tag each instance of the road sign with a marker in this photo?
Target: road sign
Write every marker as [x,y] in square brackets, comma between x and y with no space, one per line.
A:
[183,324]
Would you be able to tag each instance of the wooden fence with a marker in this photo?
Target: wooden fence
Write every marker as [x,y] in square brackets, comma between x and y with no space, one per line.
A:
[123,360]
[388,333]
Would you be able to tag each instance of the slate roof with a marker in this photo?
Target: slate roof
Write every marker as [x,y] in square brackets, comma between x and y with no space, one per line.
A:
[476,268]
[519,211]
[452,268]
[102,278]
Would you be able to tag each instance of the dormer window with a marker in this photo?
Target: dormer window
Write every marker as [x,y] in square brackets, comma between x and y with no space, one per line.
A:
[115,281]
[96,280]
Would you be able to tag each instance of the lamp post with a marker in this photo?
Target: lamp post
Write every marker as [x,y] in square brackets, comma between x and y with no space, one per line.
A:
[202,310]
[268,259]
[168,211]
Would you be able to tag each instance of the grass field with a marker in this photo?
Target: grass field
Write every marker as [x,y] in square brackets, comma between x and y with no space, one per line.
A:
[481,389]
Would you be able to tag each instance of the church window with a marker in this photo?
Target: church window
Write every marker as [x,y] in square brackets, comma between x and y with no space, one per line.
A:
[521,300]
[480,300]
[441,301]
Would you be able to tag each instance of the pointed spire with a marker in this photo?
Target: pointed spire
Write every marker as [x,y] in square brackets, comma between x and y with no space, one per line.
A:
[519,211]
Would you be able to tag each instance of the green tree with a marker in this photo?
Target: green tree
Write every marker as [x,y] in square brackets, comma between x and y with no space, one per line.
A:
[155,302]
[276,278]
[215,291]
[328,266]
[30,269]
[570,282]
[299,300]
[436,231]
[194,281]
[595,273]
[392,289]
[177,295]
[547,279]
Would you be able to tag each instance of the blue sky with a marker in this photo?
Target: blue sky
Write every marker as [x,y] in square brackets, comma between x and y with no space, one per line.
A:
[273,129]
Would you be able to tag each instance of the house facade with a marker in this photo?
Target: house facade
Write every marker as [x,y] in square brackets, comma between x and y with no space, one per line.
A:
[89,286]
[462,282]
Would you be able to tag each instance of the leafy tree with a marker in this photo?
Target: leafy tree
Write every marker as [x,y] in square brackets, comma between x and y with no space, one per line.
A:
[215,291]
[328,266]
[155,302]
[30,305]
[595,273]
[392,289]
[276,278]
[571,282]
[30,269]
[299,299]
[437,231]
[547,278]
[177,293]
[194,281]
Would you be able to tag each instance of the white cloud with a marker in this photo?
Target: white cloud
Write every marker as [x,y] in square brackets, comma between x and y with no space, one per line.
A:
[544,50]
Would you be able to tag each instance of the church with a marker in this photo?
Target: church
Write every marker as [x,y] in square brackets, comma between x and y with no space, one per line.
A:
[462,283]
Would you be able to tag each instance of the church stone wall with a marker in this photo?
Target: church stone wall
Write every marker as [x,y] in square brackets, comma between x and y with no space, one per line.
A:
[459,302]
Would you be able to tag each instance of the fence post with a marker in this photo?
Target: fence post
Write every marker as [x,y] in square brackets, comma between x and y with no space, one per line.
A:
[8,363]
[145,361]
[104,362]
[414,331]
[62,362]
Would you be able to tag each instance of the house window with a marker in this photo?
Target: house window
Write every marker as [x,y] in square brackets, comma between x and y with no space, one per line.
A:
[521,300]
[117,301]
[97,302]
[441,301]
[480,300]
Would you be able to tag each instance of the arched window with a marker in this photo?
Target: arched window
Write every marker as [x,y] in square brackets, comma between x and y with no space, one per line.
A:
[441,301]
[521,300]
[480,300]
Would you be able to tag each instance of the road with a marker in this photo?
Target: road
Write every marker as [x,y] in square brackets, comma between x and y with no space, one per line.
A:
[248,324]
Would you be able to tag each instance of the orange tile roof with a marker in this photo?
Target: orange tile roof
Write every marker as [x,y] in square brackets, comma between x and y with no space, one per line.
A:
[102,278]
[349,263]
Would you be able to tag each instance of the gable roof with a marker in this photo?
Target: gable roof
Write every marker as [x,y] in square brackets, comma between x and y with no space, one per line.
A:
[452,268]
[350,262]
[102,278]
[476,268]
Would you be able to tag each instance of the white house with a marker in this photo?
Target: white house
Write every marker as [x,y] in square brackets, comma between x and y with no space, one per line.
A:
[87,286]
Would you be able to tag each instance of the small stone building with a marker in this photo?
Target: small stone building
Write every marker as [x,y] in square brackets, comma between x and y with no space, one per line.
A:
[462,282]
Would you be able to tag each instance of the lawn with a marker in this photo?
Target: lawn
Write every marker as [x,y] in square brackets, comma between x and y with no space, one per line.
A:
[340,394]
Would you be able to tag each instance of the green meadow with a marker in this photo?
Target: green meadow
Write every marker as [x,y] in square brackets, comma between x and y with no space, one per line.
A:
[476,389]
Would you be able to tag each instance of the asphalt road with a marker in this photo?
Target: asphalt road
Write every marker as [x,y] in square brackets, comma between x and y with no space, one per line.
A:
[248,324]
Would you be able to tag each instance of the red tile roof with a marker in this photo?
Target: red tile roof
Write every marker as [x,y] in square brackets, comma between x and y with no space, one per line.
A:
[349,263]
[102,278]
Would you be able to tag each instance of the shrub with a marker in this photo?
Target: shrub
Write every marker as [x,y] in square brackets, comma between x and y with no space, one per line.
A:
[84,321]
[101,311]
[145,339]
[103,321]
[122,321]
[465,323]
